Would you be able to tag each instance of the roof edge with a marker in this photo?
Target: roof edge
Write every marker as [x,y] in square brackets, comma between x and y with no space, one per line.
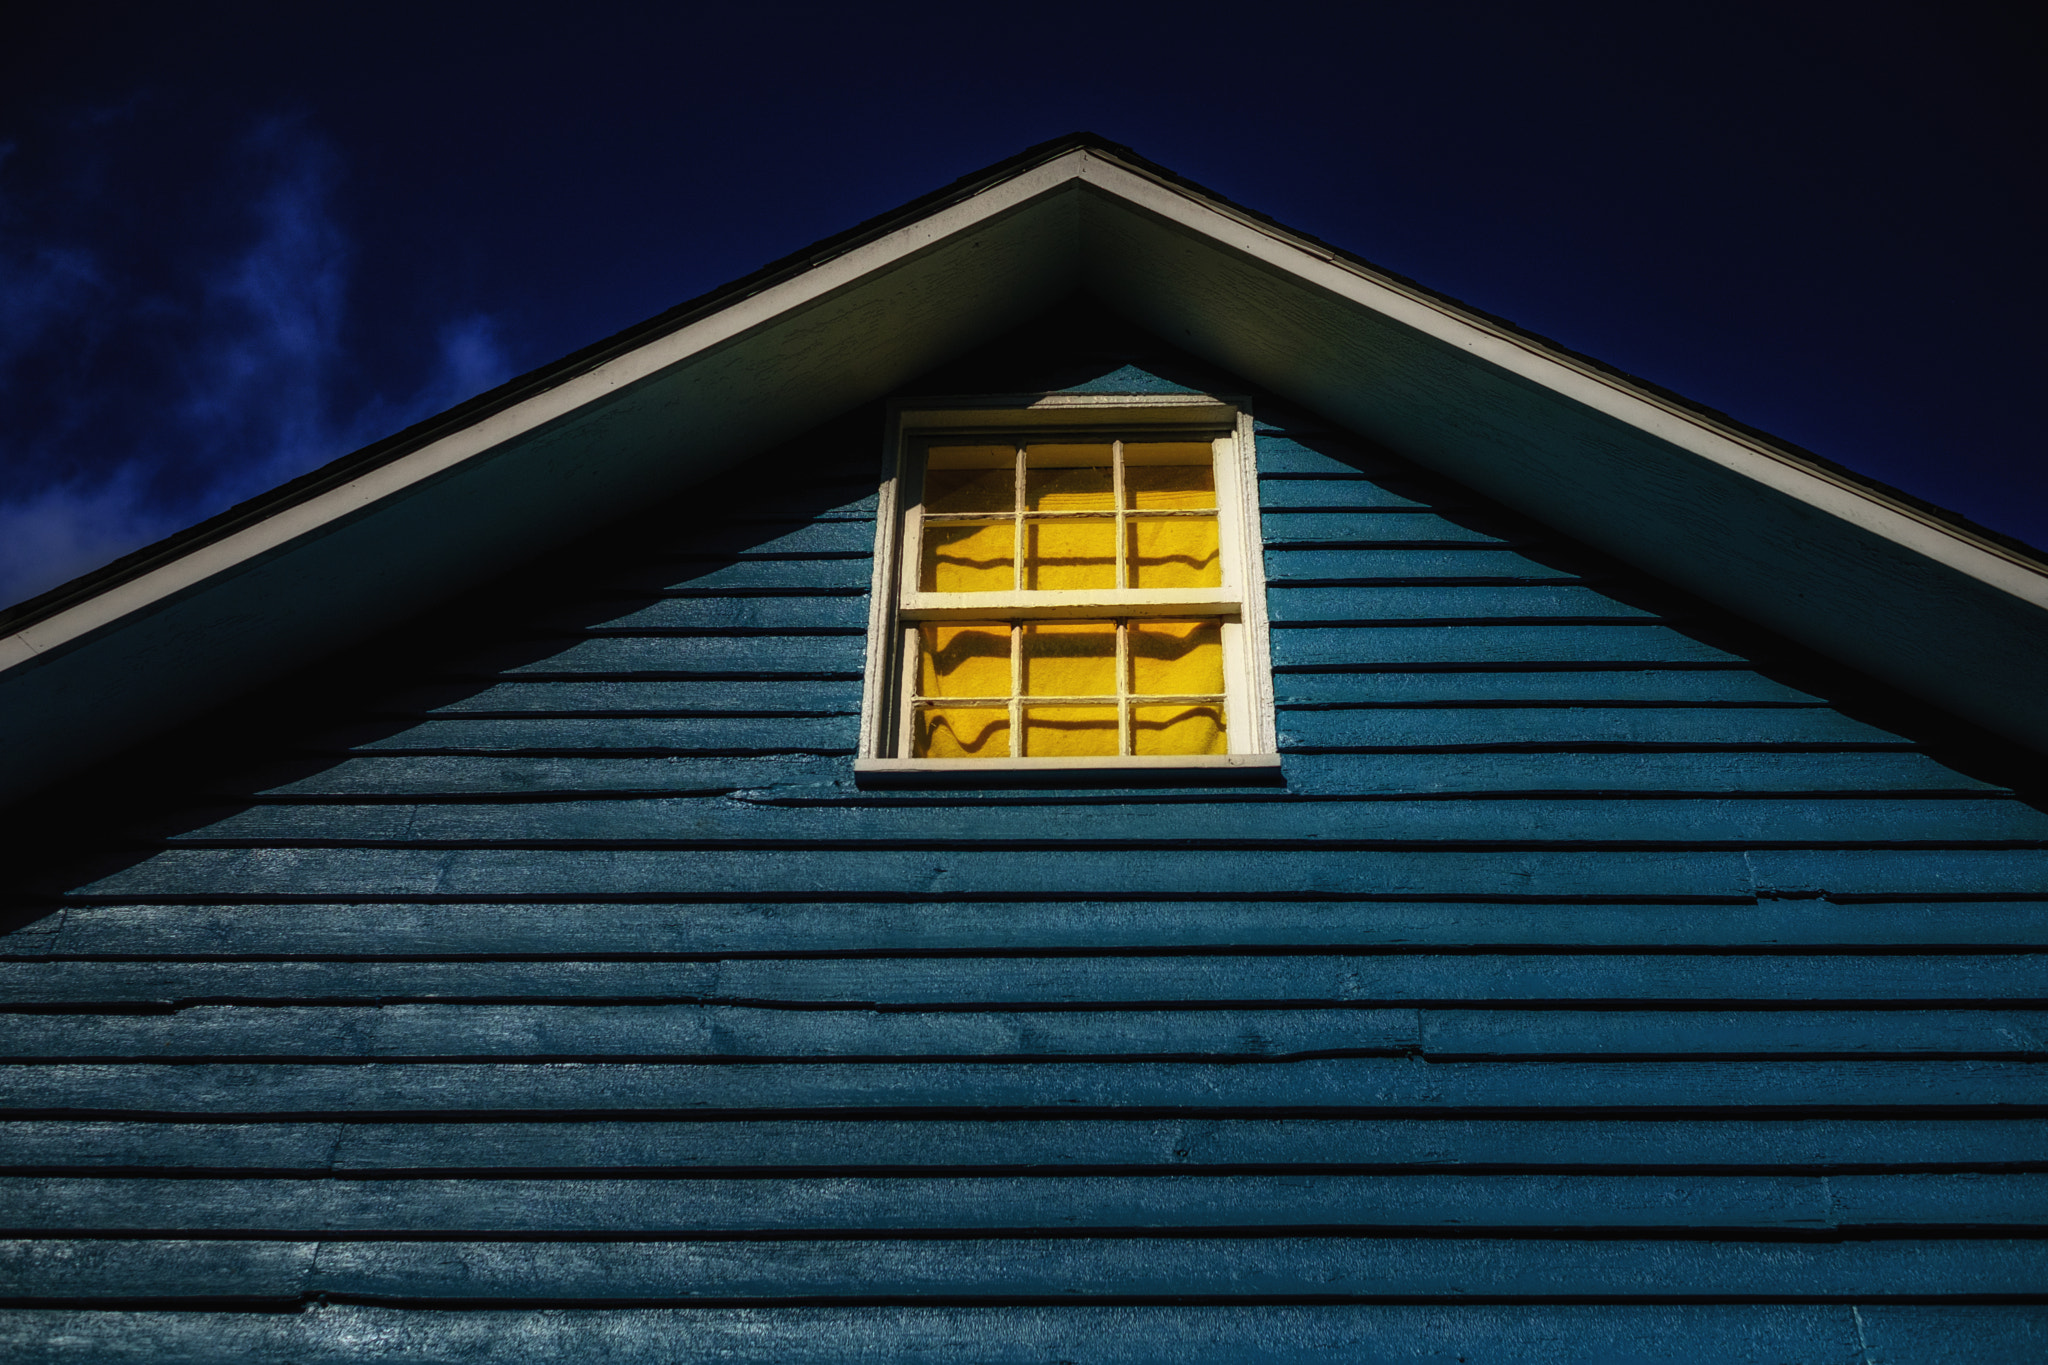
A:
[139,562]
[2008,546]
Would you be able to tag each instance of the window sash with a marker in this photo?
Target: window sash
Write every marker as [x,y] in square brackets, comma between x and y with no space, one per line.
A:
[1227,595]
[1017,701]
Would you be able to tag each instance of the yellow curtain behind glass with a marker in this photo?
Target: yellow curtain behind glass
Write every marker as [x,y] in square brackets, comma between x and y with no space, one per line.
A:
[1070,659]
[969,558]
[1171,552]
[964,661]
[1175,729]
[1177,658]
[963,732]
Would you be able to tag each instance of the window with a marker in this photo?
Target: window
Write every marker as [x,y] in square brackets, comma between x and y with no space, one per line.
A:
[1068,586]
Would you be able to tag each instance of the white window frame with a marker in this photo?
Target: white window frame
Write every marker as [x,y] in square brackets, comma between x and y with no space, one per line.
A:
[896,606]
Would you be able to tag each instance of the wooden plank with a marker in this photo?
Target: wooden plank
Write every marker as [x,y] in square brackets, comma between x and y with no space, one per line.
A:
[623,735]
[211,875]
[1338,495]
[1354,1269]
[208,1030]
[569,930]
[1333,457]
[1588,1034]
[782,613]
[884,1145]
[1887,876]
[1813,1145]
[1468,1205]
[1340,1087]
[1306,774]
[689,696]
[214,874]
[1453,602]
[400,775]
[1361,1269]
[1960,1201]
[1307,979]
[73,1336]
[1512,1334]
[1399,646]
[1360,774]
[1375,564]
[1469,726]
[253,1273]
[712,820]
[1953,1334]
[1367,528]
[700,1031]
[1711,686]
[44,1144]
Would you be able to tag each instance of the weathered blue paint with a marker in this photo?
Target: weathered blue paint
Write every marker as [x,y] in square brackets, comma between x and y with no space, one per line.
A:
[1605,982]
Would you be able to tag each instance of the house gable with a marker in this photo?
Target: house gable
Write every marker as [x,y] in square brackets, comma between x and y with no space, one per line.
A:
[1606,971]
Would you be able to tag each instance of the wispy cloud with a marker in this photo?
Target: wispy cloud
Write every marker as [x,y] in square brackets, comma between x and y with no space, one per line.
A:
[154,372]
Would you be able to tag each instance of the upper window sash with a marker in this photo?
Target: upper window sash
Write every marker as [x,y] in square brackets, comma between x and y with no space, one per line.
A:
[1077,521]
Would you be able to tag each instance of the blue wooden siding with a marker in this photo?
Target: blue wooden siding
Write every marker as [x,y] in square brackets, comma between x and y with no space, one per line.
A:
[537,985]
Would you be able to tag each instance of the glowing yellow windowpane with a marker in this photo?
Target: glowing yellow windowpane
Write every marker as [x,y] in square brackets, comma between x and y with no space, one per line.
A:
[970,490]
[963,661]
[1169,485]
[1068,478]
[1069,731]
[963,732]
[1176,659]
[1070,659]
[1177,730]
[970,558]
[1174,552]
[1069,555]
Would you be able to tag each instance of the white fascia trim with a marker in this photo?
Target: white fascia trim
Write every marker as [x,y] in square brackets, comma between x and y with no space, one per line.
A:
[389,480]
[1983,560]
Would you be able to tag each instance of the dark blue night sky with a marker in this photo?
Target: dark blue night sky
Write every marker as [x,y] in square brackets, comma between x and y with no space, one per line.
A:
[235,246]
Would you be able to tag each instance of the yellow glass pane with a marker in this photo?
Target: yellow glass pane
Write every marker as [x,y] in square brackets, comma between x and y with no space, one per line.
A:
[1064,556]
[1070,659]
[1176,658]
[963,661]
[1069,478]
[970,558]
[1169,485]
[963,732]
[970,490]
[1174,552]
[1069,731]
[1177,730]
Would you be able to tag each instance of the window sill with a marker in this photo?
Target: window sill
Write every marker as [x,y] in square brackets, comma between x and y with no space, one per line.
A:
[1205,771]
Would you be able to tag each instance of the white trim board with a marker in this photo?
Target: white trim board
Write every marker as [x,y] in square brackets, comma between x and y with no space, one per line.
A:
[1947,615]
